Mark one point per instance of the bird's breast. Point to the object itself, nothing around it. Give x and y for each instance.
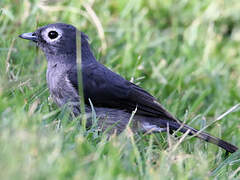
(55, 82)
(60, 87)
(53, 77)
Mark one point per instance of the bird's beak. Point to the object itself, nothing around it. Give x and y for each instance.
(29, 36)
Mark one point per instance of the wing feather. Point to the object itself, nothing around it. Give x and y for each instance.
(108, 89)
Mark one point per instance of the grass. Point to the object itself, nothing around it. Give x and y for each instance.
(185, 53)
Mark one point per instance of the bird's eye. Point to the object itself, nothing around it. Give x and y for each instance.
(52, 34)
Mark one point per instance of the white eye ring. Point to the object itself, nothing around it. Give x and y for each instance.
(45, 34)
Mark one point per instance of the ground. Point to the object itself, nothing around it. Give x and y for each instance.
(184, 52)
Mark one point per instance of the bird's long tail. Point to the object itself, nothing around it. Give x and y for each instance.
(173, 125)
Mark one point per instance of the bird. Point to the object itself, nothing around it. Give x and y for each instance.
(112, 97)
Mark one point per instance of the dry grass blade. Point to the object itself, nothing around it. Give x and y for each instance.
(97, 23)
(228, 112)
(9, 55)
(180, 140)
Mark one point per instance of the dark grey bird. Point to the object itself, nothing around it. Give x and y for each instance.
(114, 98)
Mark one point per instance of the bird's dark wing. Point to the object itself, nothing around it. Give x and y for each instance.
(108, 89)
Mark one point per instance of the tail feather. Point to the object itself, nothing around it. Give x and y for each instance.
(173, 125)
(211, 139)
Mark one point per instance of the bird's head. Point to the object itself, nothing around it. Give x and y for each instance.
(56, 39)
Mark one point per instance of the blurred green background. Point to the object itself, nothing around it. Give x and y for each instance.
(184, 52)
